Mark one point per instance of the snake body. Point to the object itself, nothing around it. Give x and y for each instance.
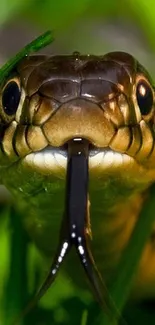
(108, 100)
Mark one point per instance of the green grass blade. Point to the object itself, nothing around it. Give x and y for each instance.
(36, 45)
(84, 317)
(16, 291)
(121, 285)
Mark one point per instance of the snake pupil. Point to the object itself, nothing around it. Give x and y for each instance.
(144, 97)
(11, 98)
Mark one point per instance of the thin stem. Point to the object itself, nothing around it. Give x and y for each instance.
(36, 45)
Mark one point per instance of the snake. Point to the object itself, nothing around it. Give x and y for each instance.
(107, 101)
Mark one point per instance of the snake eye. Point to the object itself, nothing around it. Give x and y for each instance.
(11, 97)
(144, 96)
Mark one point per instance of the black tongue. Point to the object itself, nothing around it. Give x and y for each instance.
(74, 219)
(75, 227)
(77, 188)
(75, 224)
(77, 212)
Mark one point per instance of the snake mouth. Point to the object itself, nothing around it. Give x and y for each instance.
(63, 150)
(93, 152)
(54, 159)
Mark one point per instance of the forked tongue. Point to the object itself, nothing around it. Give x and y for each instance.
(75, 228)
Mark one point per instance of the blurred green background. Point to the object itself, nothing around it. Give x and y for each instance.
(88, 26)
